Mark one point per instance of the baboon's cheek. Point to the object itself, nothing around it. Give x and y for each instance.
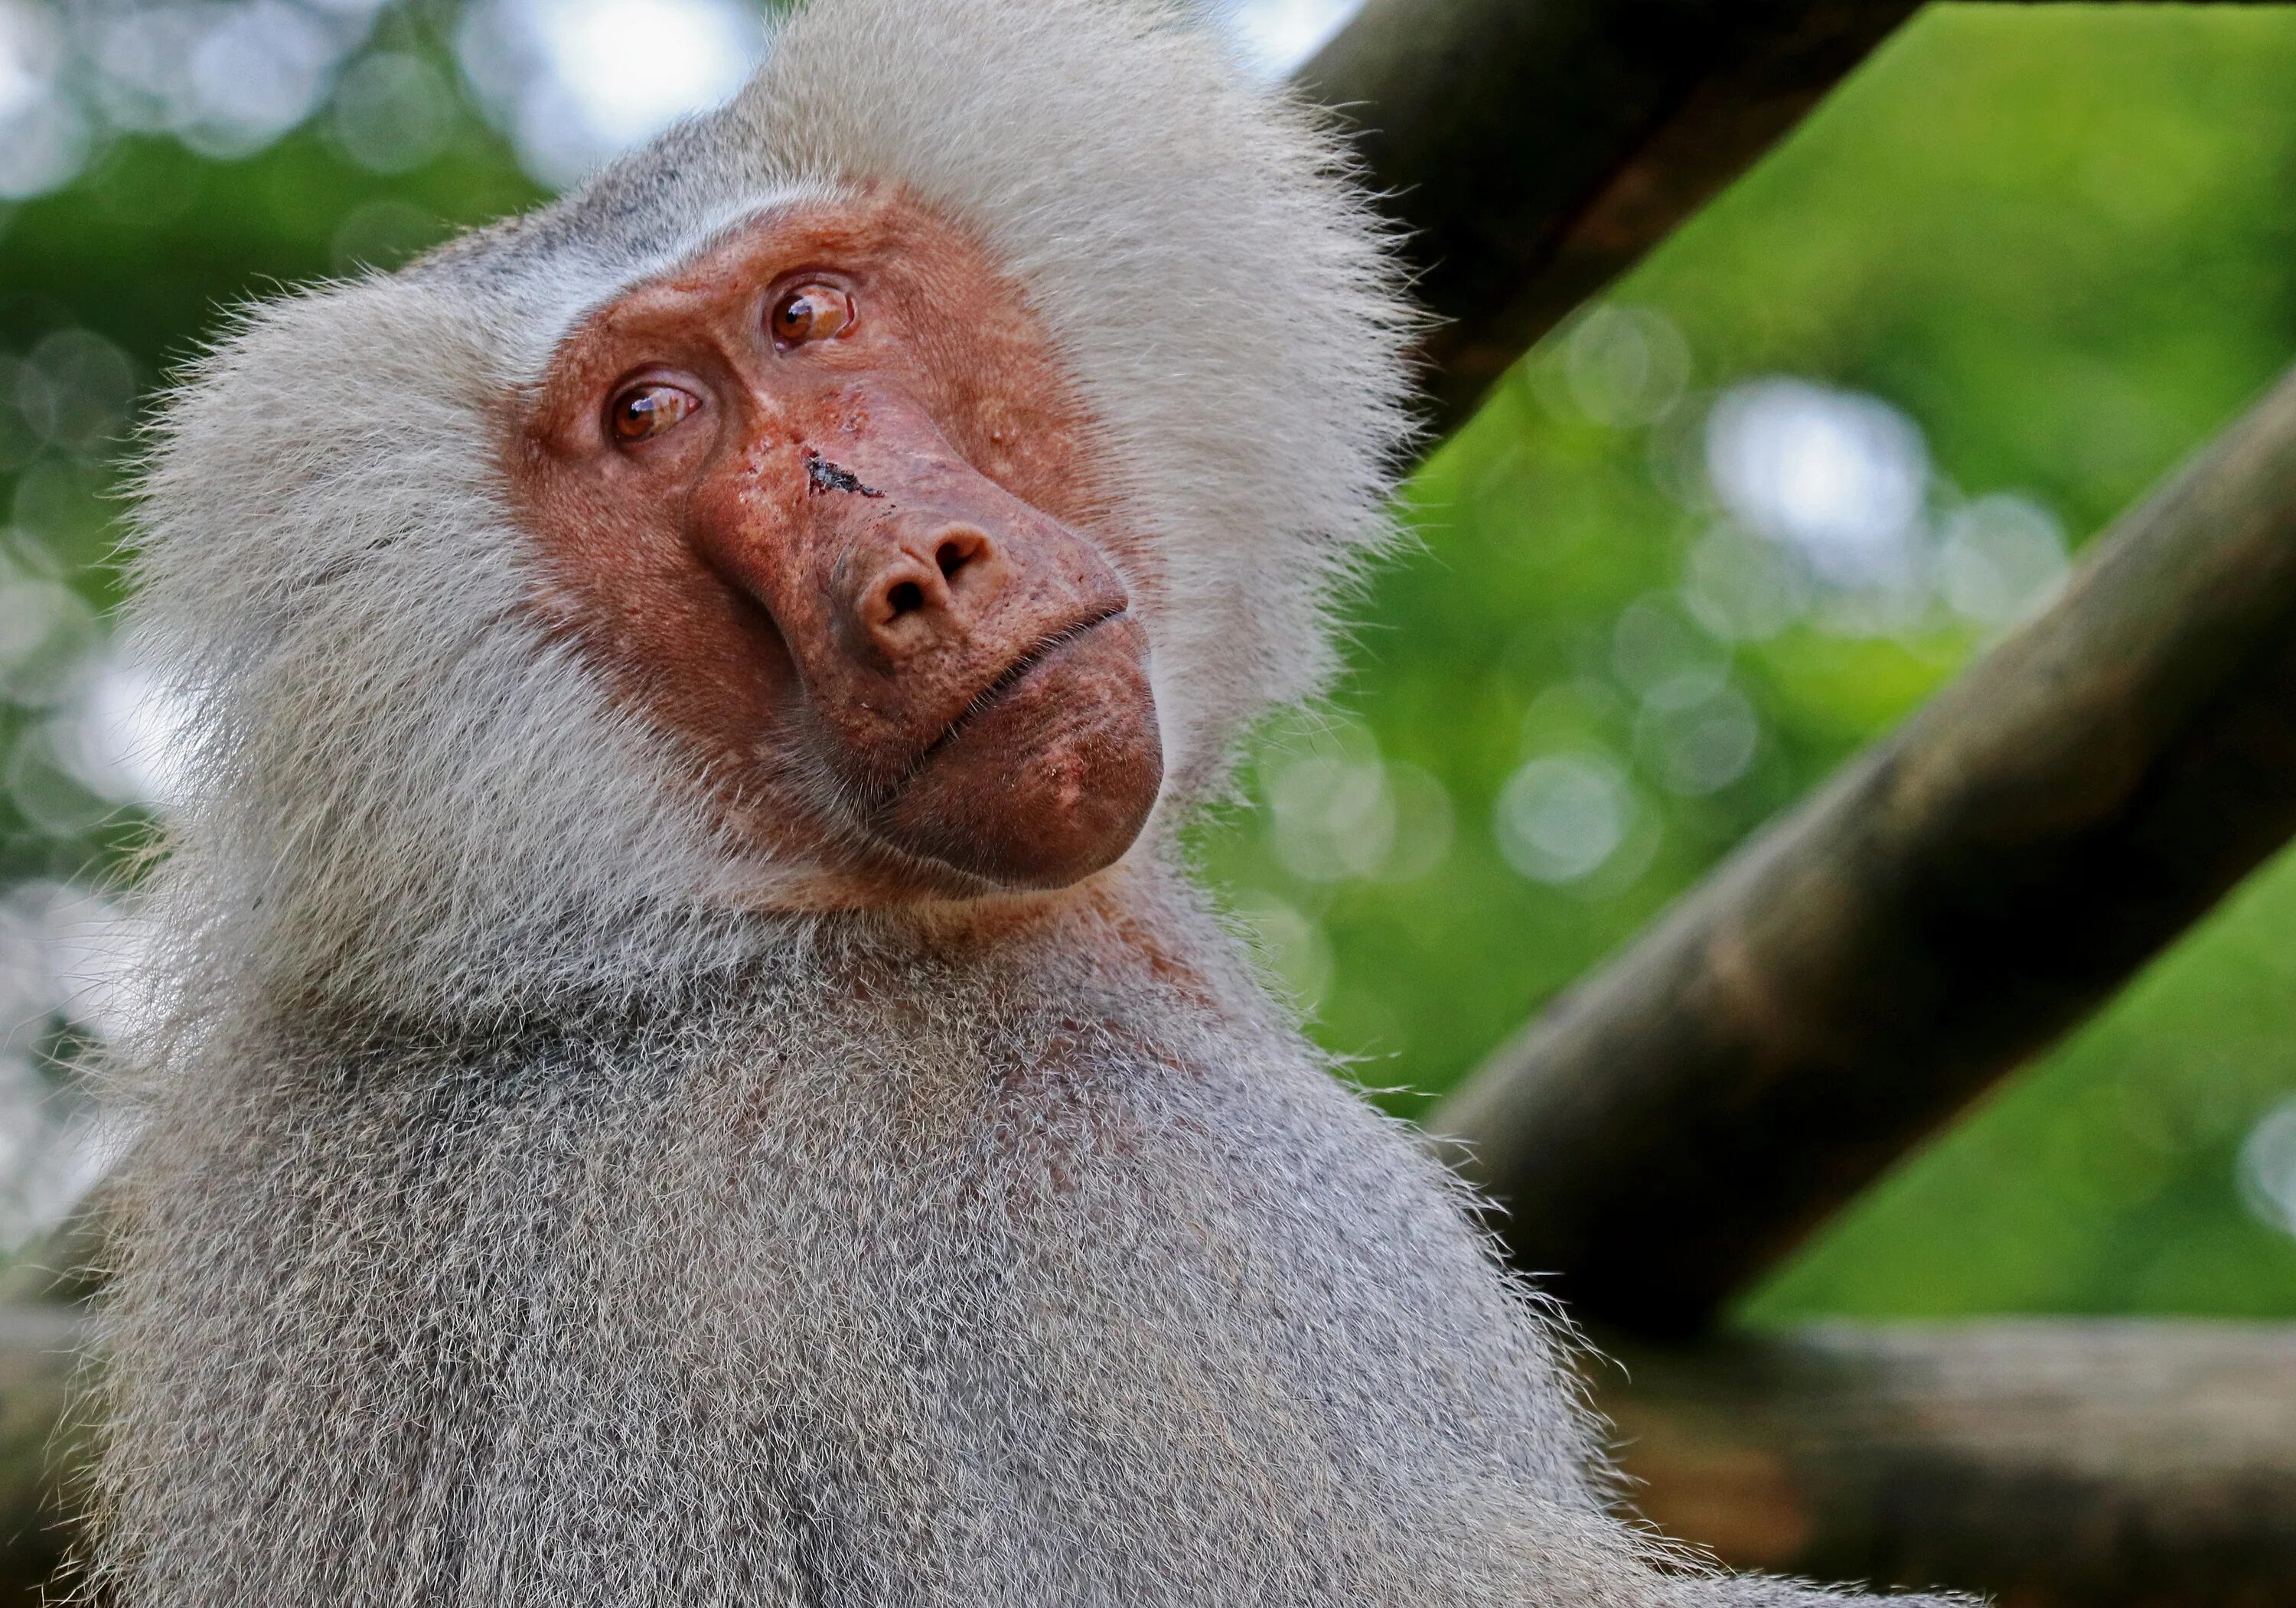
(1051, 778)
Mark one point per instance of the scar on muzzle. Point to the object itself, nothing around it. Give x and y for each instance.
(827, 476)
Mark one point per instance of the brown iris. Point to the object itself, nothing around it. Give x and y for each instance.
(645, 410)
(811, 312)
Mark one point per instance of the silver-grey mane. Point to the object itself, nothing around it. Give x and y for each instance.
(526, 1212)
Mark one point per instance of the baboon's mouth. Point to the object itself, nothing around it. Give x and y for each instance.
(1013, 674)
(1051, 770)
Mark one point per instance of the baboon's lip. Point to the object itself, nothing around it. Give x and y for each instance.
(1010, 678)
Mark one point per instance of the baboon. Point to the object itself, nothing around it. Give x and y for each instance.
(688, 1065)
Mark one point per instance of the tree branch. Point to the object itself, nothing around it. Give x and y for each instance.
(1946, 907)
(1539, 149)
(1536, 149)
(2097, 1463)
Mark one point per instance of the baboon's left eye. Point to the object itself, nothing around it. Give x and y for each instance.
(811, 312)
(643, 411)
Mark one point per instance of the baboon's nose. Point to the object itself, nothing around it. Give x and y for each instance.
(928, 588)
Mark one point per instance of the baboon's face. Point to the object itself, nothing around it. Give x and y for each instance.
(817, 504)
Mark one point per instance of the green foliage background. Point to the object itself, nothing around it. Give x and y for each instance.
(2062, 239)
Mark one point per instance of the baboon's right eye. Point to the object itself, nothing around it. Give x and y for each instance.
(811, 312)
(640, 412)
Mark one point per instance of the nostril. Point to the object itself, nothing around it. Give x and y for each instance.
(949, 594)
(958, 549)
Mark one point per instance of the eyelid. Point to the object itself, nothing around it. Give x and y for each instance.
(798, 279)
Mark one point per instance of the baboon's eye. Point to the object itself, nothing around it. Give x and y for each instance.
(640, 412)
(811, 312)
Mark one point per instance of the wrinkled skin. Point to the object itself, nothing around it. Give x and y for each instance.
(819, 504)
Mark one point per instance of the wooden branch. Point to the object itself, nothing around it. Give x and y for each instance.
(2102, 1463)
(1944, 908)
(1539, 149)
(1536, 149)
